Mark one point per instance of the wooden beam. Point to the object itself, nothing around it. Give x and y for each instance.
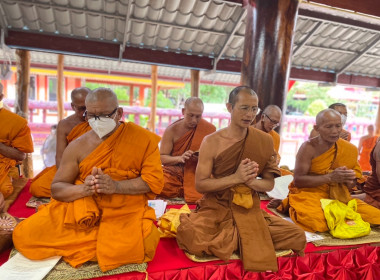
(152, 120)
(60, 81)
(22, 94)
(131, 95)
(194, 83)
(141, 95)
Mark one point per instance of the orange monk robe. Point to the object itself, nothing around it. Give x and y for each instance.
(367, 147)
(180, 179)
(14, 132)
(120, 228)
(41, 184)
(304, 204)
(276, 140)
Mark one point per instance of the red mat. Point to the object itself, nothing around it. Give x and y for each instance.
(171, 263)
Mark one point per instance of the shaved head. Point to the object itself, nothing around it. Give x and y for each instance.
(326, 115)
(234, 94)
(79, 94)
(272, 109)
(104, 95)
(196, 101)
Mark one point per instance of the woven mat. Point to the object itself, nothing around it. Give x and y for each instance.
(234, 256)
(329, 240)
(35, 202)
(63, 271)
(174, 201)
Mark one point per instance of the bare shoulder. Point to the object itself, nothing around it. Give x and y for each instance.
(307, 149)
(66, 125)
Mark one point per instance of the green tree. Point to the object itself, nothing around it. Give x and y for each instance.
(315, 107)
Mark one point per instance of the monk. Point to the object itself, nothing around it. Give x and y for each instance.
(179, 148)
(371, 187)
(326, 167)
(229, 217)
(15, 143)
(342, 110)
(99, 208)
(270, 119)
(366, 144)
(68, 129)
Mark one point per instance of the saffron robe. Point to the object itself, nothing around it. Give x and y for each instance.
(14, 132)
(219, 227)
(114, 229)
(304, 204)
(364, 156)
(372, 184)
(41, 184)
(180, 179)
(276, 140)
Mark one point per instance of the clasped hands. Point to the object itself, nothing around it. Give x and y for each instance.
(98, 182)
(343, 175)
(247, 172)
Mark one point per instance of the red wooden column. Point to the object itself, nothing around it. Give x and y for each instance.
(269, 33)
(141, 95)
(152, 120)
(194, 83)
(21, 104)
(131, 95)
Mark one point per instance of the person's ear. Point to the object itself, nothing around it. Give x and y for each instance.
(229, 107)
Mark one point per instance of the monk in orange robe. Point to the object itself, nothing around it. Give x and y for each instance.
(342, 110)
(68, 129)
(229, 217)
(179, 151)
(326, 167)
(366, 144)
(15, 142)
(371, 187)
(100, 192)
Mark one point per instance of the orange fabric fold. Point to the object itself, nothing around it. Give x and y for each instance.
(14, 132)
(180, 179)
(276, 140)
(125, 232)
(303, 203)
(41, 184)
(367, 147)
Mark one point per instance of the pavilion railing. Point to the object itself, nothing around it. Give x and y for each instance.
(43, 114)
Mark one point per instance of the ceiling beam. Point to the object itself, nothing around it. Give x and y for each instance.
(126, 27)
(230, 37)
(316, 27)
(356, 58)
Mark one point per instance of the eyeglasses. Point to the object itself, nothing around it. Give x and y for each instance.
(246, 109)
(97, 117)
(275, 123)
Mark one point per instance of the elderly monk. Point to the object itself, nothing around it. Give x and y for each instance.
(179, 148)
(15, 142)
(229, 217)
(342, 110)
(100, 192)
(68, 129)
(371, 187)
(326, 167)
(366, 144)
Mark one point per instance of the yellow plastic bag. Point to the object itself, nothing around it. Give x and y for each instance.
(343, 220)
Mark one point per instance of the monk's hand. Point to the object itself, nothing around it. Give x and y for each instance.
(344, 135)
(104, 183)
(342, 175)
(89, 185)
(247, 170)
(185, 156)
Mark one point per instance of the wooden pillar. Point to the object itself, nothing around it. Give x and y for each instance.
(269, 33)
(131, 95)
(194, 83)
(152, 120)
(21, 103)
(141, 95)
(60, 94)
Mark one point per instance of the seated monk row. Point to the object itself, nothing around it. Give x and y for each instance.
(366, 144)
(15, 142)
(68, 129)
(326, 168)
(99, 209)
(371, 187)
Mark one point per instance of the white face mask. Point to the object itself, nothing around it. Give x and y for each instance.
(102, 126)
(344, 119)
